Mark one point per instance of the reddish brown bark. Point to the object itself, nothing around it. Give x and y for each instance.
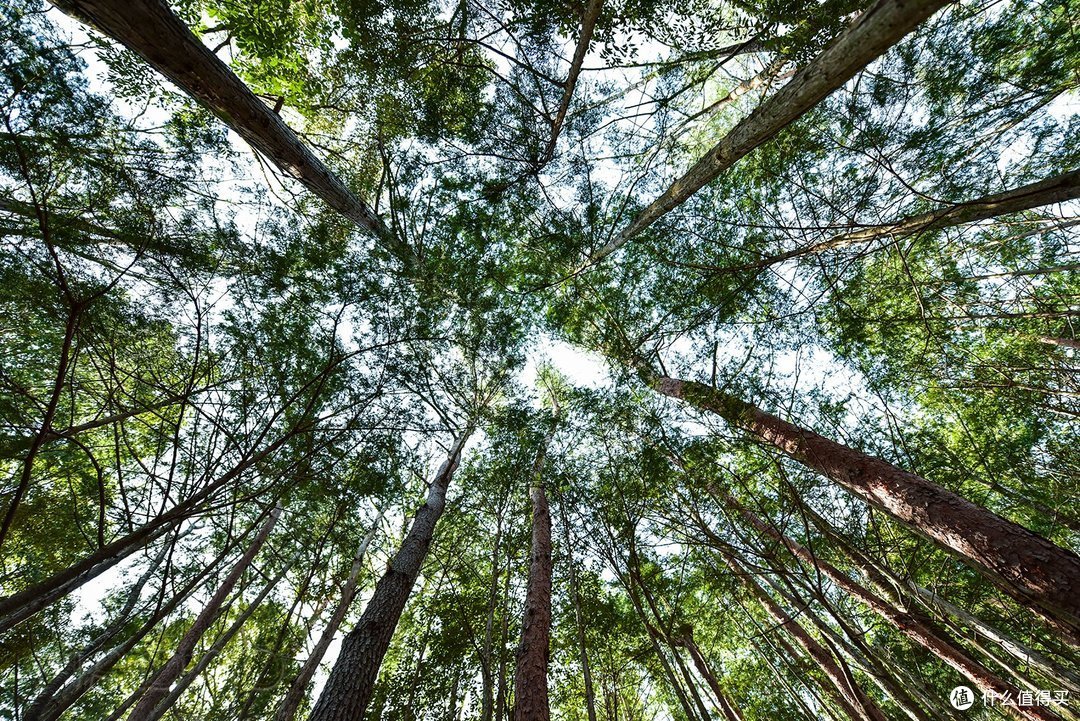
(920, 630)
(530, 676)
(351, 683)
(1020, 561)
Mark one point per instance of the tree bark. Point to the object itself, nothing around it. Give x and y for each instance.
(287, 708)
(19, 606)
(351, 683)
(49, 707)
(1057, 189)
(219, 644)
(530, 673)
(152, 30)
(888, 585)
(1020, 561)
(727, 705)
(181, 657)
(920, 630)
(848, 695)
(1061, 342)
(873, 32)
(575, 597)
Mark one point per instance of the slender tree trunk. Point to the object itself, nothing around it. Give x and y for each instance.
(1057, 189)
(579, 622)
(487, 656)
(20, 606)
(181, 657)
(72, 325)
(351, 683)
(820, 687)
(1022, 652)
(152, 30)
(1058, 341)
(724, 702)
(51, 707)
(1019, 560)
(588, 24)
(873, 32)
(218, 646)
(298, 689)
(920, 630)
(504, 639)
(888, 586)
(851, 698)
(530, 674)
(52, 689)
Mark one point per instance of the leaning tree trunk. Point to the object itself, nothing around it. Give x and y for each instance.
(888, 585)
(351, 683)
(1020, 561)
(219, 644)
(920, 630)
(287, 708)
(54, 700)
(152, 30)
(845, 691)
(164, 678)
(1035, 195)
(727, 705)
(530, 674)
(875, 30)
(22, 605)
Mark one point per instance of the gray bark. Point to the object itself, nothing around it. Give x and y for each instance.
(873, 32)
(153, 31)
(351, 683)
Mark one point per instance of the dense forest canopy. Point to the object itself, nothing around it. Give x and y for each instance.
(501, 360)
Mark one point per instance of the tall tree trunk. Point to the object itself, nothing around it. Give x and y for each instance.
(351, 683)
(20, 606)
(851, 698)
(1020, 561)
(1057, 189)
(724, 702)
(181, 657)
(287, 708)
(530, 673)
(52, 702)
(1058, 341)
(504, 639)
(920, 630)
(487, 654)
(888, 586)
(873, 32)
(152, 30)
(579, 622)
(219, 644)
(588, 24)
